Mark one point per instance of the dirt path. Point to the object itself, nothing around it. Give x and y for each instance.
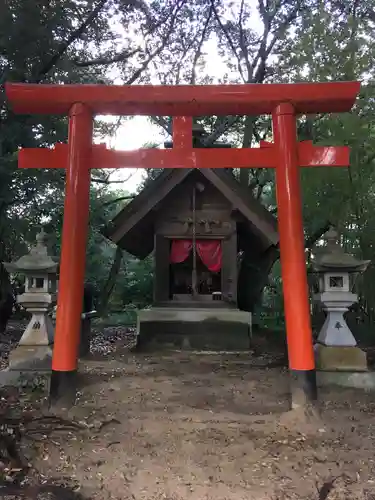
(198, 427)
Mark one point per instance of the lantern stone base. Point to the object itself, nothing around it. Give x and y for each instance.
(339, 358)
(353, 380)
(40, 330)
(31, 358)
(29, 367)
(34, 351)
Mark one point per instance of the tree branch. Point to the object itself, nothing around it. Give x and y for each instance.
(229, 40)
(264, 49)
(220, 130)
(246, 143)
(176, 68)
(243, 46)
(310, 242)
(162, 122)
(107, 181)
(259, 62)
(199, 49)
(46, 68)
(126, 54)
(259, 137)
(104, 61)
(117, 200)
(157, 51)
(159, 120)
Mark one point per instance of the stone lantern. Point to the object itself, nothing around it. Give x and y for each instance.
(336, 348)
(40, 271)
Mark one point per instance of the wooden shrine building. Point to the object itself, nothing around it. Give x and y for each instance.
(199, 223)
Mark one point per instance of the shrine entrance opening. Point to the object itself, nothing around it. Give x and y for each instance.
(195, 270)
(283, 101)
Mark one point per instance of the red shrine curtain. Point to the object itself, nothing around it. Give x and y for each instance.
(180, 250)
(209, 252)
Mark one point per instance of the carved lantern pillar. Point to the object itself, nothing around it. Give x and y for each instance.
(40, 272)
(336, 348)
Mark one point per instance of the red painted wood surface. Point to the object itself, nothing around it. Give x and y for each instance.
(74, 239)
(263, 157)
(182, 100)
(292, 246)
(182, 132)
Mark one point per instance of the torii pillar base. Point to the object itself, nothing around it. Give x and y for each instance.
(63, 389)
(303, 388)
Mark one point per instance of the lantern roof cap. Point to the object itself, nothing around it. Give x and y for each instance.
(37, 260)
(332, 257)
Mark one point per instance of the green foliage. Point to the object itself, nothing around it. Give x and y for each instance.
(127, 317)
(135, 284)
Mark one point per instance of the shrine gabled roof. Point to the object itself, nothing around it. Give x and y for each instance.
(132, 228)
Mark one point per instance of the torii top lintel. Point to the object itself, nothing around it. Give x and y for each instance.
(182, 100)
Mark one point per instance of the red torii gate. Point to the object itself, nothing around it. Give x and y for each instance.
(285, 154)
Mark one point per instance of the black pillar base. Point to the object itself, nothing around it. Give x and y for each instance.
(303, 388)
(63, 389)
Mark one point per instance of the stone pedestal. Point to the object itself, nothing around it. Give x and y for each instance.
(31, 361)
(340, 358)
(35, 347)
(337, 349)
(31, 358)
(335, 331)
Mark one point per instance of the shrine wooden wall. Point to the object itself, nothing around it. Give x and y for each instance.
(214, 219)
(213, 211)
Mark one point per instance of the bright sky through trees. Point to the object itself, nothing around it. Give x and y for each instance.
(138, 131)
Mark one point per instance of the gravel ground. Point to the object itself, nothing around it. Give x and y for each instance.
(104, 341)
(184, 426)
(179, 426)
(9, 340)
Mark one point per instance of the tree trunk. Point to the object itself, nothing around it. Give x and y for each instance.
(246, 143)
(253, 277)
(108, 288)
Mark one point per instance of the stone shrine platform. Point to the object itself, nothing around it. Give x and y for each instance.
(193, 328)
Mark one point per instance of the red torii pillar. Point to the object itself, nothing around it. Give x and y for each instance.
(283, 101)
